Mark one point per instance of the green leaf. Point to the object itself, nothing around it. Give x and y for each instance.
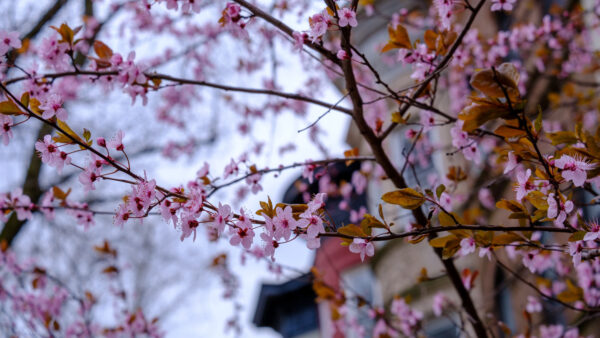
(439, 190)
(513, 206)
(10, 108)
(440, 242)
(506, 238)
(87, 134)
(407, 198)
(538, 121)
(573, 293)
(352, 230)
(577, 236)
(538, 200)
(445, 219)
(25, 99)
(491, 83)
(562, 137)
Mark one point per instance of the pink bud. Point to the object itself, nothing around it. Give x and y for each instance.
(342, 55)
(101, 141)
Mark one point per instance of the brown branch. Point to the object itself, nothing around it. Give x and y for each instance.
(294, 165)
(182, 81)
(435, 230)
(287, 30)
(376, 146)
(531, 285)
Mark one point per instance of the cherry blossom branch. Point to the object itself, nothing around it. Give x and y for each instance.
(445, 61)
(183, 81)
(375, 143)
(325, 113)
(531, 285)
(69, 136)
(287, 30)
(35, 207)
(290, 166)
(435, 230)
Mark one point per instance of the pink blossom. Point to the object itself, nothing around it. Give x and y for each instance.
(536, 261)
(196, 198)
(347, 18)
(253, 181)
(100, 141)
(171, 4)
(503, 5)
(188, 226)
(122, 215)
(61, 160)
(594, 232)
(54, 53)
(409, 319)
(6, 123)
(46, 205)
(363, 247)
(191, 6)
(314, 226)
(357, 216)
(524, 184)
(471, 153)
(284, 223)
(204, 171)
(141, 197)
(242, 233)
(342, 55)
(572, 333)
(221, 218)
(558, 212)
(233, 10)
(467, 245)
(168, 211)
(308, 172)
(533, 305)
(381, 329)
(575, 250)
(551, 331)
(52, 106)
(486, 199)
(315, 204)
(117, 141)
(444, 12)
(318, 25)
(269, 244)
(88, 177)
(359, 181)
(439, 302)
(427, 120)
(21, 203)
(9, 40)
(446, 201)
(573, 169)
(460, 138)
(299, 38)
(48, 149)
(511, 163)
(130, 73)
(231, 169)
(83, 217)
